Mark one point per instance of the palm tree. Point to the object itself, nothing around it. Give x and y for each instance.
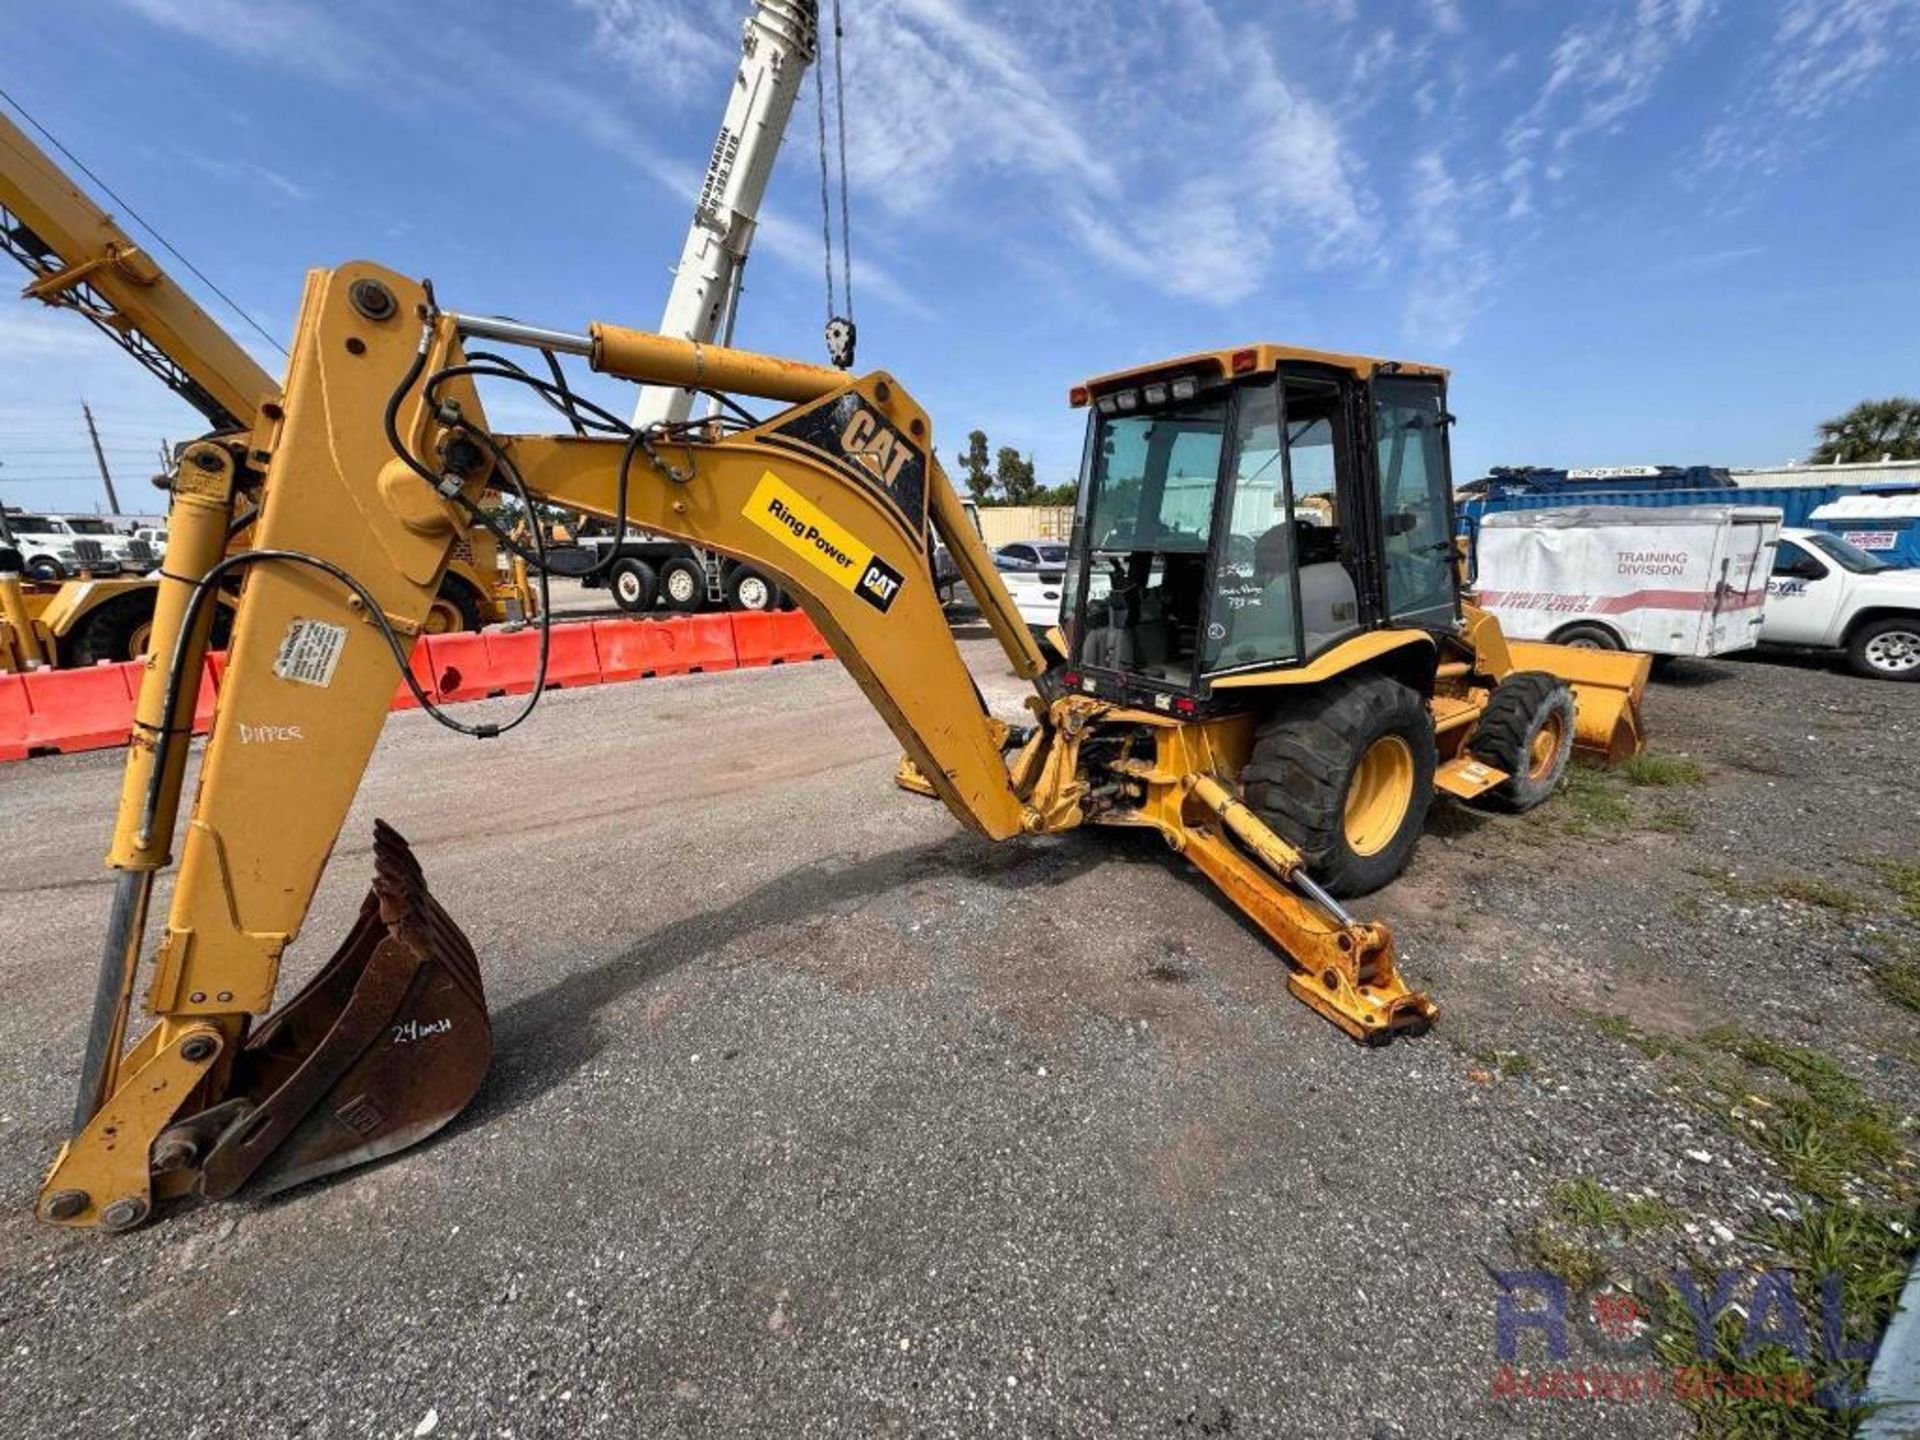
(1871, 430)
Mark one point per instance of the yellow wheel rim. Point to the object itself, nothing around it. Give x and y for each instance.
(442, 619)
(1545, 749)
(137, 642)
(1379, 795)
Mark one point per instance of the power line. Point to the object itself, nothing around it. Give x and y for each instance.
(232, 304)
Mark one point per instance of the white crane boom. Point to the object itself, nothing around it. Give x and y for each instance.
(776, 48)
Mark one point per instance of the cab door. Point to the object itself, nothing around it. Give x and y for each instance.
(1804, 598)
(1413, 490)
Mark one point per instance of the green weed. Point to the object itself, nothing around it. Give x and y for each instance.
(1589, 1203)
(1662, 770)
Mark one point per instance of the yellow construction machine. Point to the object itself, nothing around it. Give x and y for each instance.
(1279, 699)
(78, 258)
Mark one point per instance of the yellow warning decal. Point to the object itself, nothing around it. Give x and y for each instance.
(816, 537)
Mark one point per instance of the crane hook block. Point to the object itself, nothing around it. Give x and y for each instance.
(840, 340)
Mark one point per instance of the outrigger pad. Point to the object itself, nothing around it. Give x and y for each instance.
(379, 1050)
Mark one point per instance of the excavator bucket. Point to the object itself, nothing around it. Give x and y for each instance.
(1608, 686)
(380, 1049)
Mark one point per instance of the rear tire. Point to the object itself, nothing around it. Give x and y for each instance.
(455, 609)
(116, 631)
(748, 589)
(1886, 649)
(1527, 731)
(634, 585)
(1344, 774)
(119, 630)
(683, 586)
(1588, 637)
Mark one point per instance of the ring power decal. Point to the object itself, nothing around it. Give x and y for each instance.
(807, 530)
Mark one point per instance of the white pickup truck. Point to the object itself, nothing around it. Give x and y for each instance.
(1828, 594)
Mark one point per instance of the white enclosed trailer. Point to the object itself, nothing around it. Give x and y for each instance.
(1665, 580)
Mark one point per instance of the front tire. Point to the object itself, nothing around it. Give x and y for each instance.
(634, 585)
(1887, 649)
(1527, 731)
(1344, 774)
(46, 571)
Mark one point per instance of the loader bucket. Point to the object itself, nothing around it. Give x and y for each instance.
(380, 1049)
(1608, 686)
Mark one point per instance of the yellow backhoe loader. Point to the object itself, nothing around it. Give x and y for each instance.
(1279, 699)
(78, 258)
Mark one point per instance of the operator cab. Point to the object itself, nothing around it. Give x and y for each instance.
(1246, 510)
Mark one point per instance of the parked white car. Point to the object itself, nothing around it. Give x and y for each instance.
(1827, 594)
(1035, 573)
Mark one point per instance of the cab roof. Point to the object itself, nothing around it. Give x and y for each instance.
(1259, 358)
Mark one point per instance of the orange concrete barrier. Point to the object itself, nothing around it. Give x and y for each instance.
(777, 637)
(459, 666)
(637, 649)
(709, 642)
(14, 715)
(513, 658)
(53, 711)
(72, 710)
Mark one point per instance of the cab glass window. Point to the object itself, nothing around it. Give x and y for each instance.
(1252, 617)
(1149, 513)
(1791, 562)
(1409, 419)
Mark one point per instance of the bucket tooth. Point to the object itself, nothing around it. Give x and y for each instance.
(384, 1045)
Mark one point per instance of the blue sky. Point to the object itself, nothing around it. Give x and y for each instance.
(1638, 230)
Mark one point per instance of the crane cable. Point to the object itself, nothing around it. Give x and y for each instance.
(841, 332)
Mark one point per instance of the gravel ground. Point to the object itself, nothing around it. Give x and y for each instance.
(812, 1115)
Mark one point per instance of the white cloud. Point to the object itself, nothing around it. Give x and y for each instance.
(303, 36)
(1827, 50)
(936, 95)
(1446, 16)
(664, 44)
(1599, 73)
(1824, 54)
(1258, 170)
(1171, 145)
(38, 332)
(259, 176)
(1450, 271)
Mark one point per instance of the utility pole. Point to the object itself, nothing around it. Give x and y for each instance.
(113, 500)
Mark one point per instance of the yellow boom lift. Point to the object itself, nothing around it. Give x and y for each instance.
(1279, 699)
(78, 258)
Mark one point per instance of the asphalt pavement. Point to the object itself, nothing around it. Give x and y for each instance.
(813, 1115)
